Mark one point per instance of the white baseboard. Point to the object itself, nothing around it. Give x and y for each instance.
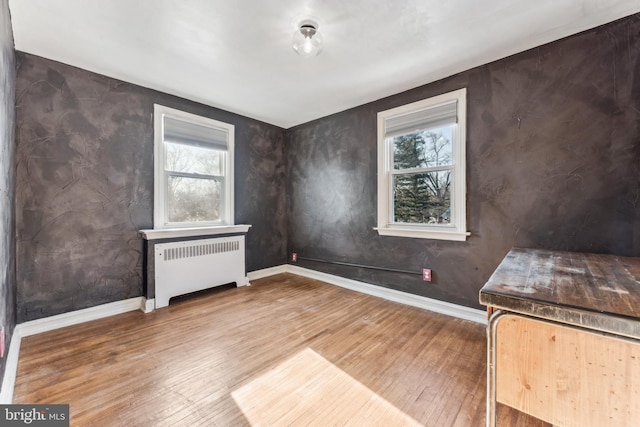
(147, 305)
(11, 368)
(266, 272)
(46, 324)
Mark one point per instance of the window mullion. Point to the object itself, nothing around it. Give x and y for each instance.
(413, 171)
(195, 175)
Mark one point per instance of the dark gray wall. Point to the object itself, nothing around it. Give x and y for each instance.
(7, 181)
(84, 186)
(553, 161)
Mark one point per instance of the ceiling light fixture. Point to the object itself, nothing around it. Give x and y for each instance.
(307, 41)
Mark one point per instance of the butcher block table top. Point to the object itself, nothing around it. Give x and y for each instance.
(596, 291)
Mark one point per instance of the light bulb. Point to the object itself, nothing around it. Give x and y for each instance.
(307, 41)
(307, 47)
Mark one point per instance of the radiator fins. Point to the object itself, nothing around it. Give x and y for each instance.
(197, 250)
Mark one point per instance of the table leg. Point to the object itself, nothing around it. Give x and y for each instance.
(491, 367)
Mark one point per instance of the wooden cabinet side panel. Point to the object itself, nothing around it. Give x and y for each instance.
(567, 376)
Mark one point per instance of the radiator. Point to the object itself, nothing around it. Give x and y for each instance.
(183, 267)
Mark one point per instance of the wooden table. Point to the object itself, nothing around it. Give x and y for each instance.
(564, 337)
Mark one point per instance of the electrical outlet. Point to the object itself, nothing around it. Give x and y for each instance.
(294, 257)
(426, 274)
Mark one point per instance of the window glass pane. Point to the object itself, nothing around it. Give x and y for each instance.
(427, 148)
(422, 198)
(193, 200)
(192, 159)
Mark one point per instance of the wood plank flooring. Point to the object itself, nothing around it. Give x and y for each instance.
(285, 351)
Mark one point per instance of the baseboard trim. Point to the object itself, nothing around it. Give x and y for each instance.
(147, 305)
(46, 324)
(11, 368)
(266, 272)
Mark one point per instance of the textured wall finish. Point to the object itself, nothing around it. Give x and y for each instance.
(7, 182)
(553, 161)
(85, 186)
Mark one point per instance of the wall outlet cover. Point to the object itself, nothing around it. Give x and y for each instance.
(426, 274)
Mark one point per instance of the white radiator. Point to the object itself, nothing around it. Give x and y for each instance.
(183, 267)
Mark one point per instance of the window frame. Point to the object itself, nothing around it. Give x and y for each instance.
(458, 230)
(161, 176)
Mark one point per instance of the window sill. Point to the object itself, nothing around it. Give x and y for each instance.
(419, 233)
(171, 233)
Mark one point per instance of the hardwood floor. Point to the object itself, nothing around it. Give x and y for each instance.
(285, 351)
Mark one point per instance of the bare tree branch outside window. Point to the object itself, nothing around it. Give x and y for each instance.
(198, 196)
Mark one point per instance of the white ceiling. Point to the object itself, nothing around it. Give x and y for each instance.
(237, 55)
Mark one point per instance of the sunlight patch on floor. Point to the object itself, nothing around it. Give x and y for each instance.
(308, 390)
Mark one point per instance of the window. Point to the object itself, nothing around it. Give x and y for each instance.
(421, 169)
(193, 161)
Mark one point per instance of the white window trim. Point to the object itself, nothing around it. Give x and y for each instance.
(456, 232)
(159, 182)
